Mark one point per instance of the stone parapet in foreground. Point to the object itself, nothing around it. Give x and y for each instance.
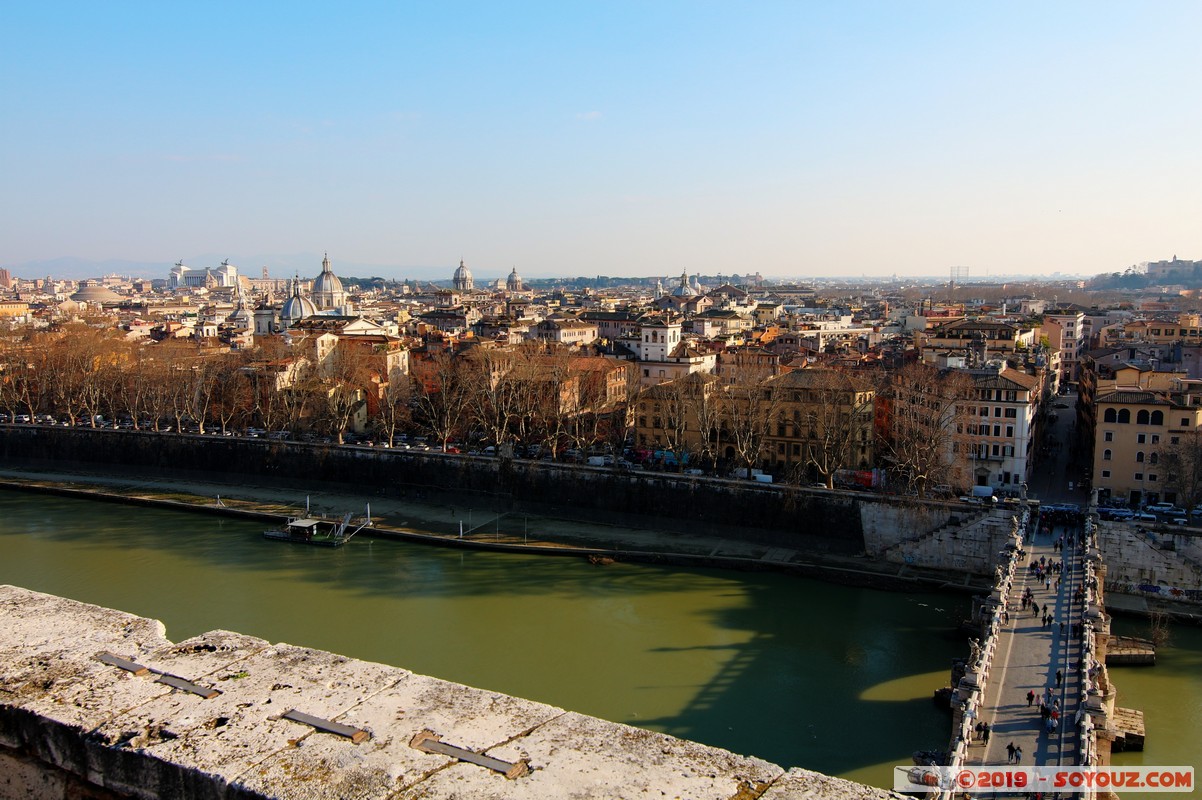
(73, 726)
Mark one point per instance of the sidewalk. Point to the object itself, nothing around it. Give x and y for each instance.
(1031, 655)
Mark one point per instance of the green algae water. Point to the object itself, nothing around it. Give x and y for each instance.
(1169, 694)
(802, 673)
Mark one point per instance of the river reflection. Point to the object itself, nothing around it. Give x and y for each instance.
(801, 673)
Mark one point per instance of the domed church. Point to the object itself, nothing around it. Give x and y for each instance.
(327, 293)
(462, 279)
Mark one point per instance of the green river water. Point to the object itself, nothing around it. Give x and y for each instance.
(799, 672)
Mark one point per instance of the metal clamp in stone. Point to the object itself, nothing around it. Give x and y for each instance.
(123, 663)
(356, 735)
(430, 742)
(207, 692)
(173, 681)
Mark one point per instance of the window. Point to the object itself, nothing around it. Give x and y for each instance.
(1105, 473)
(997, 411)
(1124, 416)
(1185, 422)
(1174, 440)
(1010, 431)
(1109, 416)
(1141, 439)
(1157, 417)
(1108, 436)
(1139, 457)
(1156, 438)
(997, 430)
(1012, 413)
(1139, 476)
(1154, 458)
(984, 411)
(1105, 455)
(1152, 477)
(1141, 417)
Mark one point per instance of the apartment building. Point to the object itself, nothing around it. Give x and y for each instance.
(1133, 426)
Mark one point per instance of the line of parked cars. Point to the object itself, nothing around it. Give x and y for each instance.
(1156, 512)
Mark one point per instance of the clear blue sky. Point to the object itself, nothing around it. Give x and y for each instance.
(573, 138)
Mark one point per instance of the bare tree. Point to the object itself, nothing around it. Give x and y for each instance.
(552, 396)
(1182, 465)
(492, 382)
(344, 375)
(232, 400)
(671, 404)
(440, 397)
(836, 419)
(751, 408)
(624, 411)
(396, 397)
(926, 410)
(708, 407)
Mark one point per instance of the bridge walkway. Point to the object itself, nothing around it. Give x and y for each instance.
(1030, 655)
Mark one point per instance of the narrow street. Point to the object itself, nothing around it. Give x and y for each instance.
(1051, 476)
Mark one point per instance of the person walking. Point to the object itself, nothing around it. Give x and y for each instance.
(1030, 697)
(1059, 677)
(985, 734)
(1010, 748)
(1018, 755)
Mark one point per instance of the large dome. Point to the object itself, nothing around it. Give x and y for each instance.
(684, 290)
(463, 278)
(96, 293)
(296, 308)
(327, 289)
(514, 282)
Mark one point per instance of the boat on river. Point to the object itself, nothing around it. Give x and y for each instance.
(320, 532)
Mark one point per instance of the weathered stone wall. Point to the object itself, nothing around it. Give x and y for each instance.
(1140, 557)
(886, 525)
(815, 520)
(966, 544)
(73, 726)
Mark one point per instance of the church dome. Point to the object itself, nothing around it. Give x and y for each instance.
(327, 288)
(463, 278)
(297, 308)
(514, 282)
(684, 290)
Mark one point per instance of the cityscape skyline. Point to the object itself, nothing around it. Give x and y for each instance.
(793, 140)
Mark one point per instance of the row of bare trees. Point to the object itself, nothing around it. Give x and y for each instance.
(532, 394)
(81, 374)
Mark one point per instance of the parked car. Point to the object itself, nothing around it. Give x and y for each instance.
(1166, 508)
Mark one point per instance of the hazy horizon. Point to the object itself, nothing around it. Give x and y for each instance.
(624, 139)
(309, 266)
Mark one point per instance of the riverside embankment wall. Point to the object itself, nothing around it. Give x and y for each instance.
(817, 521)
(73, 725)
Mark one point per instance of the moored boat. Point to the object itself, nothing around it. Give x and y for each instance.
(311, 530)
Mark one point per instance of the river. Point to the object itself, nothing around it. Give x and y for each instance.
(799, 672)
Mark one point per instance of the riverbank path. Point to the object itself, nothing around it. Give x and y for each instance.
(1029, 656)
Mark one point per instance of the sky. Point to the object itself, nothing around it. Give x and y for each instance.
(611, 138)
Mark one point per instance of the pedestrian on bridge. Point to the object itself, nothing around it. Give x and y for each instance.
(1010, 748)
(1059, 677)
(1030, 697)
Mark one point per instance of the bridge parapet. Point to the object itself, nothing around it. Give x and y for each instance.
(968, 696)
